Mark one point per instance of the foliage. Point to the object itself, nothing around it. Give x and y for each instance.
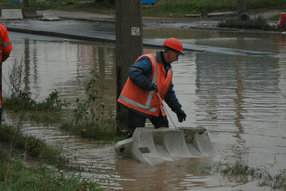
(40, 178)
(101, 6)
(22, 101)
(16, 77)
(257, 23)
(269, 4)
(89, 118)
(182, 7)
(161, 7)
(32, 146)
(92, 109)
(241, 170)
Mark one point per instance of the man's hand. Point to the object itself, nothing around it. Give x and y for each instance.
(153, 86)
(181, 115)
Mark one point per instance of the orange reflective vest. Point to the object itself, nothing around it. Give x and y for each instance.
(5, 44)
(147, 101)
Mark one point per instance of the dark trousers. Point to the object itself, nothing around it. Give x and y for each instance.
(137, 119)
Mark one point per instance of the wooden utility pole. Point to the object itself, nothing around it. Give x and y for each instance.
(240, 6)
(26, 3)
(241, 11)
(129, 39)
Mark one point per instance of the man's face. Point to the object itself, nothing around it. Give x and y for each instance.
(172, 56)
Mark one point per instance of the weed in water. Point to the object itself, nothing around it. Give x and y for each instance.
(89, 118)
(243, 171)
(20, 100)
(16, 77)
(201, 170)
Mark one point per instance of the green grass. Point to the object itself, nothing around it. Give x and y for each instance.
(182, 7)
(162, 7)
(32, 146)
(105, 130)
(15, 176)
(22, 101)
(76, 5)
(257, 23)
(78, 120)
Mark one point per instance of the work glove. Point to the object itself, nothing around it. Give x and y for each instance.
(181, 115)
(153, 86)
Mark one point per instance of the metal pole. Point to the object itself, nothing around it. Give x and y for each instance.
(164, 108)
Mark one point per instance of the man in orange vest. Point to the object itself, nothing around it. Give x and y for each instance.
(148, 78)
(5, 49)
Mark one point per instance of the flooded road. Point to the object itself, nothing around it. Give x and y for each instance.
(238, 97)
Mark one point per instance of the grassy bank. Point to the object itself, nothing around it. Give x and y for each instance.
(51, 110)
(14, 175)
(81, 118)
(85, 117)
(16, 150)
(182, 7)
(31, 146)
(161, 8)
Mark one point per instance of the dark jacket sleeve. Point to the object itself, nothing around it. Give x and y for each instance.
(171, 99)
(140, 73)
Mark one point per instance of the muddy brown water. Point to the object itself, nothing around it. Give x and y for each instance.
(239, 97)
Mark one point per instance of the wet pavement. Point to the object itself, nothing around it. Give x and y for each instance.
(99, 27)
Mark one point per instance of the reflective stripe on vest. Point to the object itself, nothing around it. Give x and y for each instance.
(146, 107)
(6, 44)
(3, 45)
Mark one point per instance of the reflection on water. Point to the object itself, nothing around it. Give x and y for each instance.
(64, 66)
(240, 99)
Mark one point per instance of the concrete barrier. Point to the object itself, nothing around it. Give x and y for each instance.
(153, 146)
(29, 13)
(7, 14)
(222, 14)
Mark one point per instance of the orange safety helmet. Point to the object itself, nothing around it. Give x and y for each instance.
(174, 44)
